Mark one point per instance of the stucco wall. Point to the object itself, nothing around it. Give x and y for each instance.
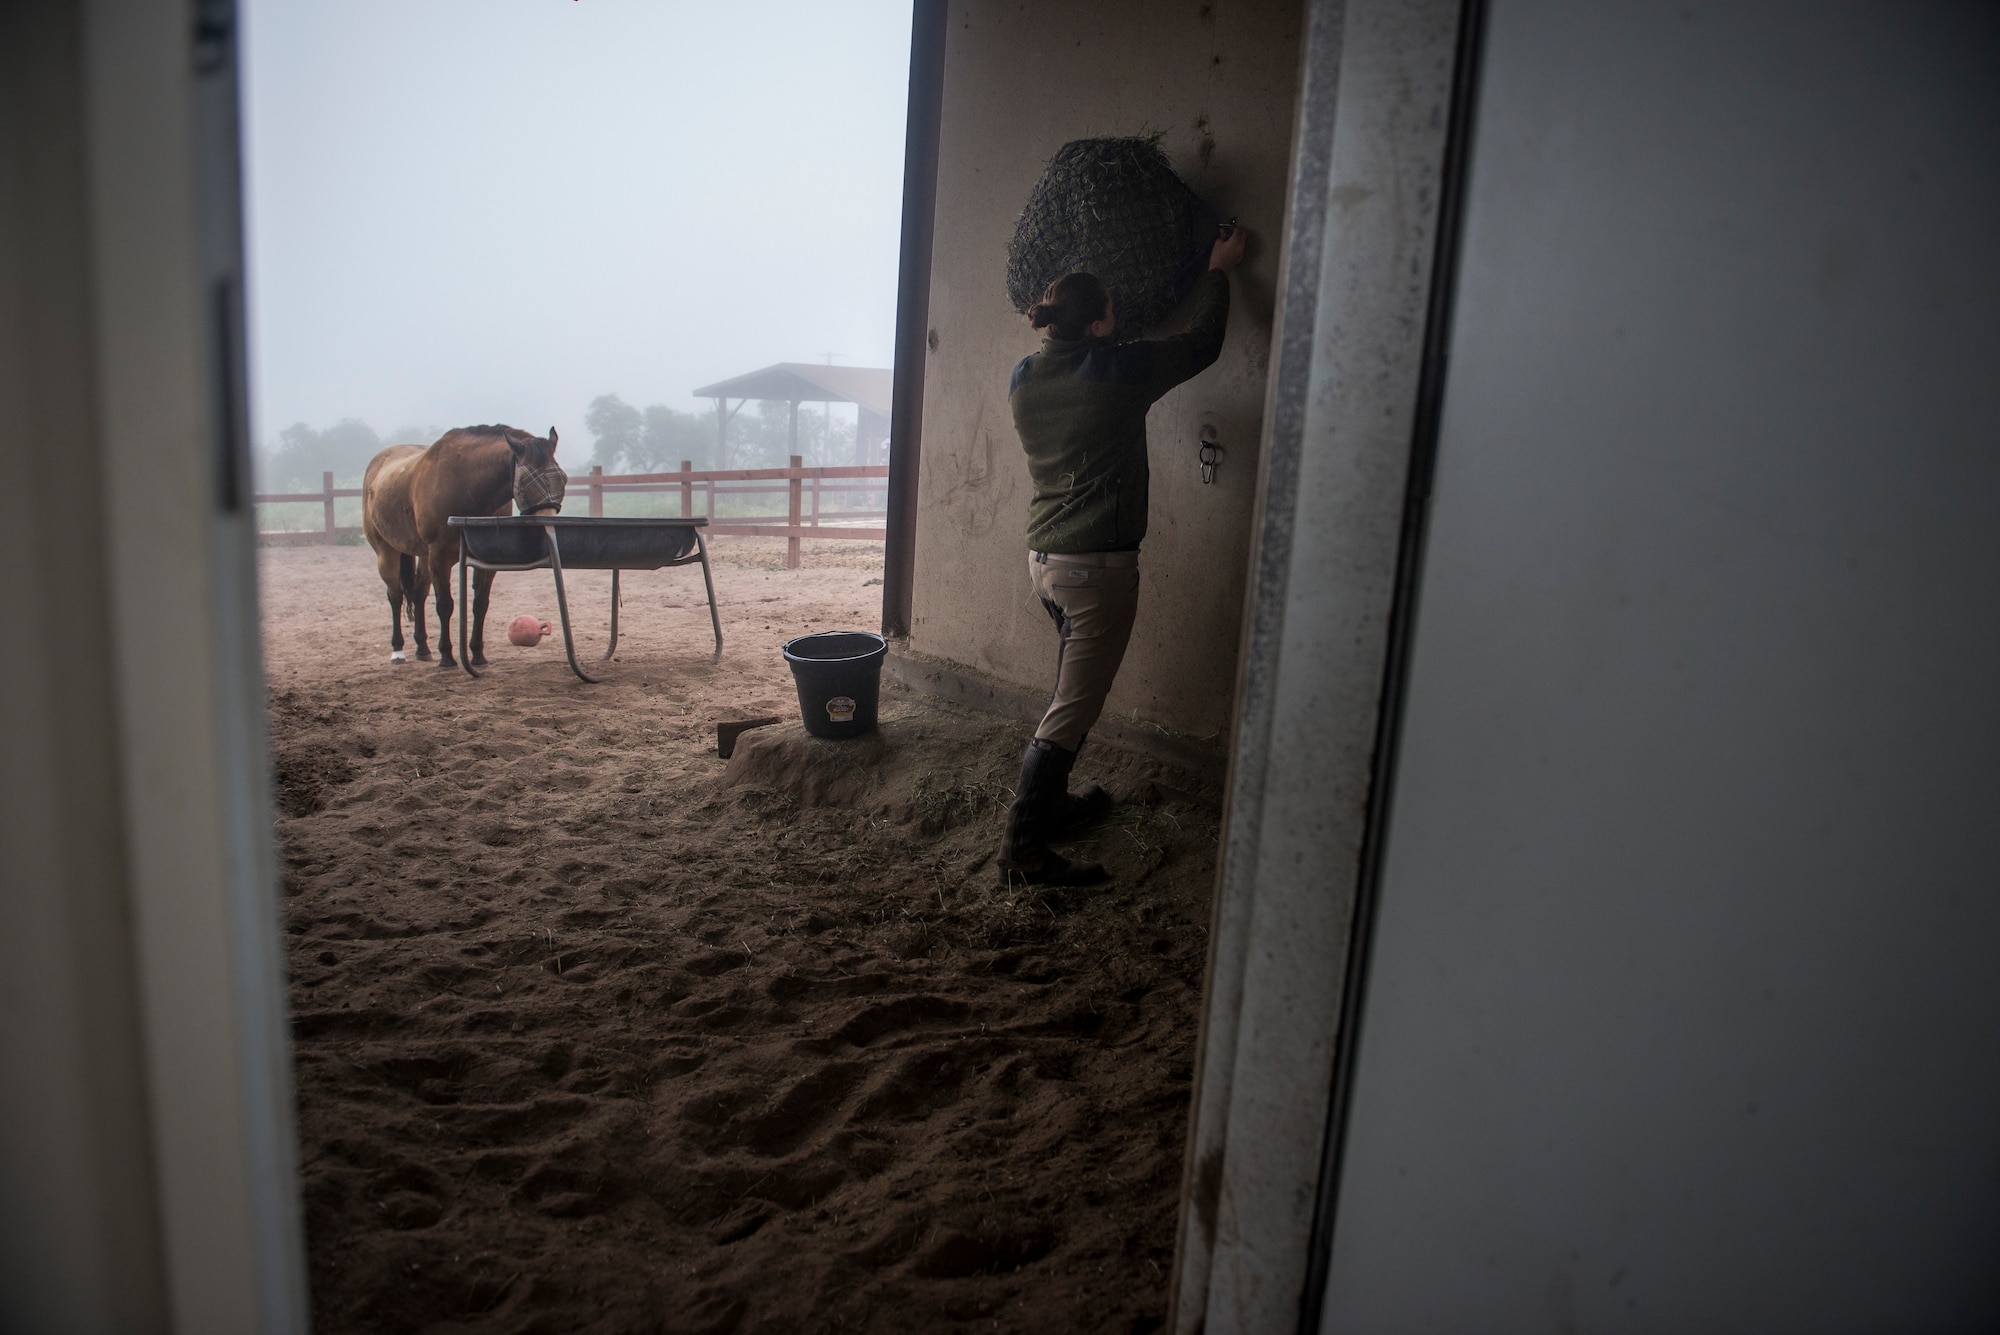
(1021, 79)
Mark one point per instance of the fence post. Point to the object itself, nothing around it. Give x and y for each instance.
(687, 490)
(597, 491)
(326, 489)
(792, 514)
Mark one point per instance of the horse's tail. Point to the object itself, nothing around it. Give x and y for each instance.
(406, 570)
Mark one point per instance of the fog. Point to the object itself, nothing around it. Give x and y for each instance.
(497, 210)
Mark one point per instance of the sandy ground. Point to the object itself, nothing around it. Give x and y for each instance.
(597, 1032)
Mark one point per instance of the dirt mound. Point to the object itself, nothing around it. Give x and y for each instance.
(939, 768)
(920, 766)
(306, 773)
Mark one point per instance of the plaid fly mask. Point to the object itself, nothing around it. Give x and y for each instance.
(539, 488)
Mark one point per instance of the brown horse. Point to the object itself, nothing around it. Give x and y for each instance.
(410, 491)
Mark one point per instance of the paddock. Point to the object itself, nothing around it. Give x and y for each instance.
(597, 1031)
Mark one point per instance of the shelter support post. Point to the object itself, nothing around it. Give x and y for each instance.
(792, 489)
(687, 489)
(913, 303)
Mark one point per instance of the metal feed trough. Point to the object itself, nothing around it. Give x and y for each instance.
(523, 542)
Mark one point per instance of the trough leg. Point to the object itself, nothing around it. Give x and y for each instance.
(714, 617)
(562, 604)
(614, 617)
(464, 654)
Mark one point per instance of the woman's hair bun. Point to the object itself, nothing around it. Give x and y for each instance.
(1072, 304)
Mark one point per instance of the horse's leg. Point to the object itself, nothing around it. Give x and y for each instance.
(414, 587)
(440, 561)
(482, 588)
(385, 566)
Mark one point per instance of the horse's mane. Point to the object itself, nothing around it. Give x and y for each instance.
(496, 430)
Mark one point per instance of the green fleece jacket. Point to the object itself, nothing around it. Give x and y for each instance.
(1080, 407)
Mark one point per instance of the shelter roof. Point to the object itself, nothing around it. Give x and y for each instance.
(809, 383)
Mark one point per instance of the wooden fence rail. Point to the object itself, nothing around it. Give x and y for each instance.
(802, 487)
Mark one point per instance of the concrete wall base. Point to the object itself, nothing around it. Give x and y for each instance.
(965, 686)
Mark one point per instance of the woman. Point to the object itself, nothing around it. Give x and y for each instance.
(1080, 408)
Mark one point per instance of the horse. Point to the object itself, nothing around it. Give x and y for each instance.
(408, 493)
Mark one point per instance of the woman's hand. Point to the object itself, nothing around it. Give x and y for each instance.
(1227, 252)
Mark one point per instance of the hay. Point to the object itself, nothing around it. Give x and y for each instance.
(1115, 208)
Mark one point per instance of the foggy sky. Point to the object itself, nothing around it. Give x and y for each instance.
(495, 210)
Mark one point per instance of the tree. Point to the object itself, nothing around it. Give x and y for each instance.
(832, 437)
(761, 439)
(615, 425)
(670, 436)
(657, 439)
(303, 454)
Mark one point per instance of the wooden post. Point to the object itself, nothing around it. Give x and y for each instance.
(793, 487)
(815, 522)
(687, 490)
(597, 491)
(326, 488)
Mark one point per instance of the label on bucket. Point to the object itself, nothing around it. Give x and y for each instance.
(841, 709)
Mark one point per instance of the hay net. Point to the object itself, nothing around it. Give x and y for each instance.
(1114, 208)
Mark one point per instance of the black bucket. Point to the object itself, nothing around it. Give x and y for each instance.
(839, 674)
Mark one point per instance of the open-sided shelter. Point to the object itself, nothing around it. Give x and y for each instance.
(867, 387)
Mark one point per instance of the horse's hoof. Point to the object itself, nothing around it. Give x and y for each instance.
(479, 660)
(396, 655)
(423, 654)
(447, 664)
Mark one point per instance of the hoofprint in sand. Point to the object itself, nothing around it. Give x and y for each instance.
(595, 1031)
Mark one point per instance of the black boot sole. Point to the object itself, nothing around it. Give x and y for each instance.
(1067, 873)
(1091, 804)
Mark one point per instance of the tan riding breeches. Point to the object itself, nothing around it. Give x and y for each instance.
(1092, 598)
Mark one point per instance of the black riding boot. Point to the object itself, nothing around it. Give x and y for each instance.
(1041, 799)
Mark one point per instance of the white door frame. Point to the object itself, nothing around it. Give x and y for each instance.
(1354, 389)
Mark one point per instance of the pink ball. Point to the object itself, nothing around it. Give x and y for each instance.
(527, 631)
